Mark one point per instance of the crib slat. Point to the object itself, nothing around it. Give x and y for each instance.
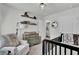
(59, 50)
(48, 48)
(52, 49)
(55, 49)
(43, 48)
(70, 51)
(78, 53)
(65, 51)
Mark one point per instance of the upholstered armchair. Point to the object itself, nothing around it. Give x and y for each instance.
(11, 43)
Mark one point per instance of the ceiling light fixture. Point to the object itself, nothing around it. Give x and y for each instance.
(42, 5)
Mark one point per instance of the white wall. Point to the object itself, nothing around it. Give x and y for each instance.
(11, 19)
(42, 28)
(68, 21)
(3, 12)
(0, 16)
(0, 19)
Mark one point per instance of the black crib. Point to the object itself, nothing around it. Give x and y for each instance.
(48, 45)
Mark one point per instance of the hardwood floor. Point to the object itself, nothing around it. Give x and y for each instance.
(36, 50)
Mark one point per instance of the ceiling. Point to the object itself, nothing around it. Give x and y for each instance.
(51, 8)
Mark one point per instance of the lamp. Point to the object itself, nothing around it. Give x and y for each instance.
(42, 5)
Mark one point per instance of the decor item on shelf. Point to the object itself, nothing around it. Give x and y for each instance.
(76, 39)
(25, 22)
(28, 22)
(26, 15)
(47, 30)
(68, 38)
(54, 24)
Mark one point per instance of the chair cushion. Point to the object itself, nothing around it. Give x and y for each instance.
(12, 49)
(12, 39)
(2, 52)
(2, 42)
